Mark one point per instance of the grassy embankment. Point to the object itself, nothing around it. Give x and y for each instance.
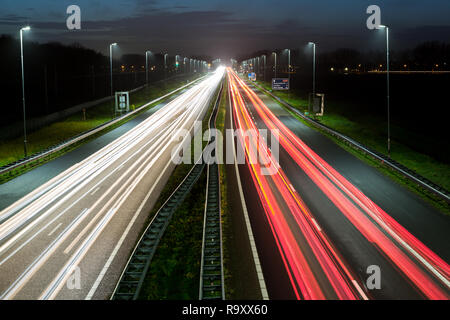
(174, 273)
(12, 150)
(220, 125)
(374, 136)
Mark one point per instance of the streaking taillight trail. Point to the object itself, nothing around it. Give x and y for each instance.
(303, 279)
(363, 213)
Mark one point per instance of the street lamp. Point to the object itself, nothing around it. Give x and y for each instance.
(314, 67)
(111, 71)
(289, 65)
(275, 63)
(146, 65)
(387, 84)
(165, 67)
(264, 69)
(258, 70)
(23, 90)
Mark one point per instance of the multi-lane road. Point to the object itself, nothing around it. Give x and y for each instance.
(70, 237)
(324, 222)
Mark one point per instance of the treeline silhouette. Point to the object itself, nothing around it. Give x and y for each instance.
(432, 55)
(60, 76)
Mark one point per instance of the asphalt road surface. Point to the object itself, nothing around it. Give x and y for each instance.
(70, 237)
(324, 221)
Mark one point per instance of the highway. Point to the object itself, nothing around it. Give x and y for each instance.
(71, 237)
(322, 217)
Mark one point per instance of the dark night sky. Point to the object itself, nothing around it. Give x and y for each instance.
(227, 28)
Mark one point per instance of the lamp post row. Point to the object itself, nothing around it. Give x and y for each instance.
(25, 142)
(203, 65)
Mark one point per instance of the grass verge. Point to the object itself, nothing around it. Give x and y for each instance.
(220, 125)
(175, 269)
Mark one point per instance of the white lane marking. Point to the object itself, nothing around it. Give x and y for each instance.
(122, 239)
(63, 274)
(11, 241)
(256, 261)
(54, 229)
(360, 291)
(96, 189)
(35, 265)
(135, 174)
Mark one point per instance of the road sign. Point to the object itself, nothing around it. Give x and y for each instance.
(122, 101)
(252, 76)
(280, 84)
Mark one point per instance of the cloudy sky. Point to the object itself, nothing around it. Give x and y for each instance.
(226, 28)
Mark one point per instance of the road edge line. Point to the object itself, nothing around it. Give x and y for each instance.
(259, 273)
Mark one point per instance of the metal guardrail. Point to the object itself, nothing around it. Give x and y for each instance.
(130, 283)
(406, 172)
(53, 149)
(212, 285)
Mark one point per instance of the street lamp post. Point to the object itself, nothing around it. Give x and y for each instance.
(23, 91)
(165, 67)
(314, 67)
(275, 69)
(146, 66)
(111, 71)
(258, 70)
(289, 67)
(388, 91)
(264, 68)
(289, 71)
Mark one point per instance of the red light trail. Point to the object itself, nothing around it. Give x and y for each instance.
(404, 250)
